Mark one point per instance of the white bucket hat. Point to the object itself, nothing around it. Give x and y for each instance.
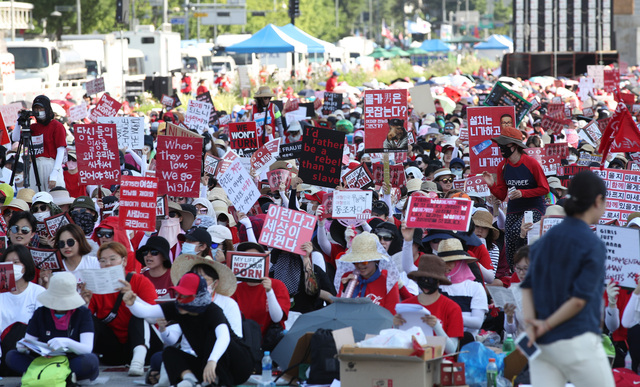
(62, 293)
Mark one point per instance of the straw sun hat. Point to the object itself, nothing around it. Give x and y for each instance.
(451, 250)
(364, 248)
(227, 282)
(485, 219)
(61, 294)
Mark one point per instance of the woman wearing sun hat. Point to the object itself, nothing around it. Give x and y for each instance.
(63, 321)
(483, 222)
(369, 279)
(521, 179)
(274, 117)
(446, 315)
(464, 290)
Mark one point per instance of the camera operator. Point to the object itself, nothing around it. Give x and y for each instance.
(49, 141)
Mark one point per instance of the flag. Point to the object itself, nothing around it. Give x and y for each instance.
(386, 32)
(621, 134)
(4, 134)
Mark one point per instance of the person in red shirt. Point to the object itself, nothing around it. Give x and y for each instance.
(110, 231)
(367, 279)
(72, 178)
(446, 316)
(122, 336)
(185, 87)
(332, 82)
(154, 255)
(202, 88)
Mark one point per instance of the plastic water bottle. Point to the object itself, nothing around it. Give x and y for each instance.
(266, 368)
(627, 361)
(492, 373)
(508, 345)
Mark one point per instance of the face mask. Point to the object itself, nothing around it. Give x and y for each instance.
(41, 216)
(223, 223)
(18, 179)
(457, 172)
(188, 248)
(85, 221)
(428, 285)
(572, 159)
(506, 151)
(17, 271)
(42, 115)
(146, 150)
(207, 147)
(295, 137)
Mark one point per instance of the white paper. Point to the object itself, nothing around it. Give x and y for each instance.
(43, 349)
(502, 296)
(422, 99)
(413, 314)
(103, 281)
(533, 234)
(197, 115)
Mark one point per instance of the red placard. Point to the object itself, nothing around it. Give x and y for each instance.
(553, 123)
(53, 223)
(167, 101)
(138, 202)
(397, 178)
(381, 106)
(484, 124)
(623, 193)
(265, 155)
(97, 151)
(358, 177)
(287, 229)
(278, 176)
(248, 267)
(243, 138)
(441, 214)
(106, 107)
(558, 149)
(179, 165)
(7, 279)
(473, 185)
(611, 80)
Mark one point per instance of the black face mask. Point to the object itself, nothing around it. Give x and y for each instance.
(428, 285)
(506, 151)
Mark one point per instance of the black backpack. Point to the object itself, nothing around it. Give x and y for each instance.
(325, 366)
(252, 337)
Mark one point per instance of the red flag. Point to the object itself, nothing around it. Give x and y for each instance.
(4, 134)
(621, 134)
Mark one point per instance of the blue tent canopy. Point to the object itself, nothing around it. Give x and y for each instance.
(434, 45)
(495, 42)
(313, 45)
(270, 39)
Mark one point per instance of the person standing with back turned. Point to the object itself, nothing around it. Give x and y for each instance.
(562, 308)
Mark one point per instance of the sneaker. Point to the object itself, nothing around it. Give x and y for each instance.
(136, 368)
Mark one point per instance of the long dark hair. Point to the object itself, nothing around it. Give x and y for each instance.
(583, 191)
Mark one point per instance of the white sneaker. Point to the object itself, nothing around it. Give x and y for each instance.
(136, 368)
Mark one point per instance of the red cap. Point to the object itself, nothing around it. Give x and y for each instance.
(188, 285)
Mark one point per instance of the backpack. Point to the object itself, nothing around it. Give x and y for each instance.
(48, 372)
(324, 367)
(252, 337)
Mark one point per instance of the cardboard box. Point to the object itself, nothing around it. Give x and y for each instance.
(430, 352)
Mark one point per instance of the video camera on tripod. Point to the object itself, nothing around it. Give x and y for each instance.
(24, 120)
(26, 146)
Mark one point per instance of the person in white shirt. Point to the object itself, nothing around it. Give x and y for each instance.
(17, 306)
(74, 247)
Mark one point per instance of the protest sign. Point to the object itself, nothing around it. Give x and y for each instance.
(473, 185)
(352, 204)
(106, 107)
(386, 121)
(177, 131)
(287, 229)
(277, 177)
(197, 116)
(292, 150)
(623, 193)
(358, 177)
(95, 86)
(321, 159)
(591, 134)
(248, 267)
(622, 245)
(486, 123)
(78, 112)
(553, 123)
(586, 159)
(292, 105)
(243, 138)
(559, 149)
(397, 178)
(53, 223)
(206, 97)
(10, 112)
(179, 161)
(548, 221)
(501, 95)
(211, 164)
(47, 259)
(327, 205)
(7, 278)
(130, 131)
(332, 102)
(611, 78)
(441, 214)
(97, 153)
(138, 201)
(162, 206)
(239, 186)
(566, 173)
(422, 99)
(549, 163)
(587, 112)
(596, 72)
(265, 156)
(167, 101)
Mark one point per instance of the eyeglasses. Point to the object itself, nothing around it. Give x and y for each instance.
(39, 208)
(24, 229)
(446, 180)
(386, 238)
(522, 269)
(70, 242)
(174, 214)
(152, 252)
(104, 234)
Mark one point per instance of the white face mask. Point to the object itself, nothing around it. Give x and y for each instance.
(18, 271)
(572, 159)
(42, 115)
(41, 216)
(188, 248)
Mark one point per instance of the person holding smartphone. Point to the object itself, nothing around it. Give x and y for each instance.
(562, 293)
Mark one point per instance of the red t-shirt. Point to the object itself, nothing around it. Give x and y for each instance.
(252, 301)
(482, 254)
(331, 84)
(72, 183)
(47, 139)
(102, 304)
(201, 90)
(624, 295)
(161, 284)
(377, 292)
(447, 311)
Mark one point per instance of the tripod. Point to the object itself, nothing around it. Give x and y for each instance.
(25, 142)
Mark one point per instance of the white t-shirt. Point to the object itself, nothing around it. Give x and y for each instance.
(231, 311)
(469, 295)
(19, 307)
(87, 262)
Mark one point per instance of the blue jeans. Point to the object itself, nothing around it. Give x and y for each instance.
(84, 366)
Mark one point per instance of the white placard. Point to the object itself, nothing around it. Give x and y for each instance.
(95, 86)
(622, 245)
(130, 131)
(239, 186)
(103, 281)
(197, 116)
(422, 99)
(78, 112)
(352, 204)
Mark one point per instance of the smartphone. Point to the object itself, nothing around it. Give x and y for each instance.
(522, 342)
(528, 216)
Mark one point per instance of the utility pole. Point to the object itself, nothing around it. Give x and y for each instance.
(294, 11)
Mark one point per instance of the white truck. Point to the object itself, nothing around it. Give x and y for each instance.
(161, 49)
(196, 61)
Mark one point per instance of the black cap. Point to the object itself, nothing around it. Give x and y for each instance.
(223, 137)
(155, 243)
(197, 235)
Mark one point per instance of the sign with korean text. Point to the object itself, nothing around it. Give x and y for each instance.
(47, 259)
(10, 112)
(611, 80)
(277, 177)
(441, 214)
(179, 164)
(321, 159)
(197, 116)
(622, 245)
(287, 229)
(332, 102)
(7, 278)
(292, 150)
(352, 204)
(596, 72)
(265, 156)
(553, 123)
(397, 177)
(106, 107)
(248, 267)
(97, 152)
(623, 193)
(503, 96)
(386, 121)
(95, 86)
(130, 131)
(138, 201)
(486, 123)
(239, 186)
(167, 101)
(358, 177)
(243, 138)
(473, 185)
(78, 112)
(211, 164)
(206, 97)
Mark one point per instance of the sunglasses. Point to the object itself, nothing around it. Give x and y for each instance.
(70, 242)
(8, 212)
(174, 214)
(152, 252)
(104, 234)
(24, 230)
(39, 208)
(386, 238)
(447, 180)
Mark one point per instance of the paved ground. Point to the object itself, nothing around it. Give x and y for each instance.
(117, 377)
